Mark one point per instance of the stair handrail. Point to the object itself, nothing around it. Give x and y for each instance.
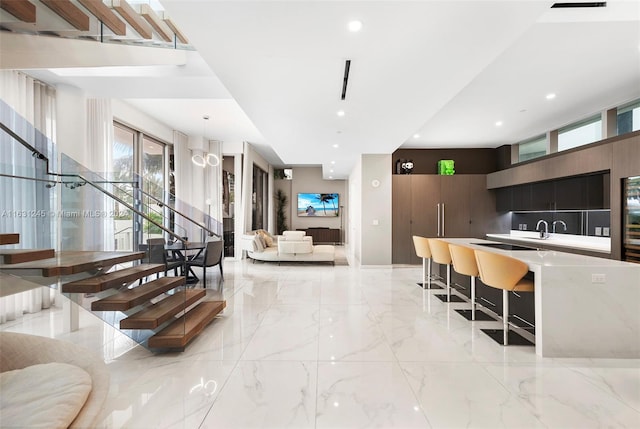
(163, 204)
(41, 156)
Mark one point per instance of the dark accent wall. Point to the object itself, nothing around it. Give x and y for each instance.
(467, 161)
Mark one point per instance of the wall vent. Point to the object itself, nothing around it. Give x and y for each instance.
(345, 79)
(579, 4)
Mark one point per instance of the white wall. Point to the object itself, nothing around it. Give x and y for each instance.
(376, 233)
(129, 115)
(309, 180)
(354, 223)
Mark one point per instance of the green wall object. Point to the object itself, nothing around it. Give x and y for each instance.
(445, 167)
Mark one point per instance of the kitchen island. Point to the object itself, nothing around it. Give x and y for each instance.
(585, 306)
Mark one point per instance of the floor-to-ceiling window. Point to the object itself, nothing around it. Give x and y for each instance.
(138, 160)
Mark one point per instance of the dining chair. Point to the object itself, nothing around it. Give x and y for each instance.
(211, 257)
(156, 254)
(508, 274)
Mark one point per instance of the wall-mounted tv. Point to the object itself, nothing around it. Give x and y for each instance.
(318, 205)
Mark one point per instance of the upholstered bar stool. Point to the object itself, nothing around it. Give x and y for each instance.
(440, 255)
(506, 273)
(464, 262)
(421, 244)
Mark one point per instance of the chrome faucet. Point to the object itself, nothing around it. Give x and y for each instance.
(561, 222)
(543, 234)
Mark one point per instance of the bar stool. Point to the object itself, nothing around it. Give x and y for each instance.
(506, 273)
(464, 262)
(421, 244)
(440, 255)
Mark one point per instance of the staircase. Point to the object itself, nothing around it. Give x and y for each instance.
(174, 314)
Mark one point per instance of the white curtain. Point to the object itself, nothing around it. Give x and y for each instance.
(28, 108)
(99, 232)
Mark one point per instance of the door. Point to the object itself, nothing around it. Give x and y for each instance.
(401, 219)
(455, 205)
(425, 195)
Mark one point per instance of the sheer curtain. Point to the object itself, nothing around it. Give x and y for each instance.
(28, 108)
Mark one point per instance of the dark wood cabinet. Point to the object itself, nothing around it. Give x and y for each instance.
(445, 206)
(587, 192)
(323, 235)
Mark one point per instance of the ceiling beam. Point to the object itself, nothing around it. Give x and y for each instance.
(176, 30)
(131, 16)
(69, 12)
(105, 15)
(161, 28)
(24, 10)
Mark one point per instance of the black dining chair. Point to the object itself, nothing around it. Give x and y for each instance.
(156, 254)
(211, 257)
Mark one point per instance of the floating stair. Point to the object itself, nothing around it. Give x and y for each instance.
(16, 256)
(9, 239)
(75, 262)
(156, 314)
(183, 330)
(130, 298)
(113, 279)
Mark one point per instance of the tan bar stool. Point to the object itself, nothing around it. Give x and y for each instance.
(506, 273)
(464, 262)
(421, 244)
(440, 255)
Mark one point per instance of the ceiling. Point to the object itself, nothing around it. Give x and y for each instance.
(426, 74)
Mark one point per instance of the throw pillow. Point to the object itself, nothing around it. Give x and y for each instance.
(43, 396)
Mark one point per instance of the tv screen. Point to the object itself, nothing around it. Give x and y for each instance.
(318, 205)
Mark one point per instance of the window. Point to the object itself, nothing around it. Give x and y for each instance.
(629, 118)
(136, 155)
(531, 149)
(259, 199)
(581, 133)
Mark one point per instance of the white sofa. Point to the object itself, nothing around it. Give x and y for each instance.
(291, 246)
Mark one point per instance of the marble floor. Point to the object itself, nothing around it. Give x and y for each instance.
(317, 346)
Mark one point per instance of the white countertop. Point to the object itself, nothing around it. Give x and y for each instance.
(579, 242)
(546, 258)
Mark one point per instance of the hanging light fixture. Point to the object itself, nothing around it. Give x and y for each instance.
(210, 158)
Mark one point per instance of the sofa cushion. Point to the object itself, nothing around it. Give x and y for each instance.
(43, 396)
(293, 235)
(294, 247)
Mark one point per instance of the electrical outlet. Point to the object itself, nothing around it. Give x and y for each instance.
(605, 231)
(598, 231)
(598, 278)
(375, 222)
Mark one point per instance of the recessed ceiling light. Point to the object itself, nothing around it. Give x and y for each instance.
(336, 145)
(416, 136)
(355, 26)
(330, 177)
(333, 162)
(331, 171)
(551, 96)
(499, 124)
(340, 113)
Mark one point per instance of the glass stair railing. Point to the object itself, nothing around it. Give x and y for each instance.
(83, 215)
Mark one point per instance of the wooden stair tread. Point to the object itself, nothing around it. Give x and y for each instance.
(74, 262)
(16, 256)
(130, 298)
(187, 327)
(112, 279)
(156, 314)
(9, 238)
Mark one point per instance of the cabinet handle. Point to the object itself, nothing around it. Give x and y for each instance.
(443, 219)
(438, 213)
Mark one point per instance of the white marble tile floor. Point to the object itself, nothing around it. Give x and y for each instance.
(318, 346)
